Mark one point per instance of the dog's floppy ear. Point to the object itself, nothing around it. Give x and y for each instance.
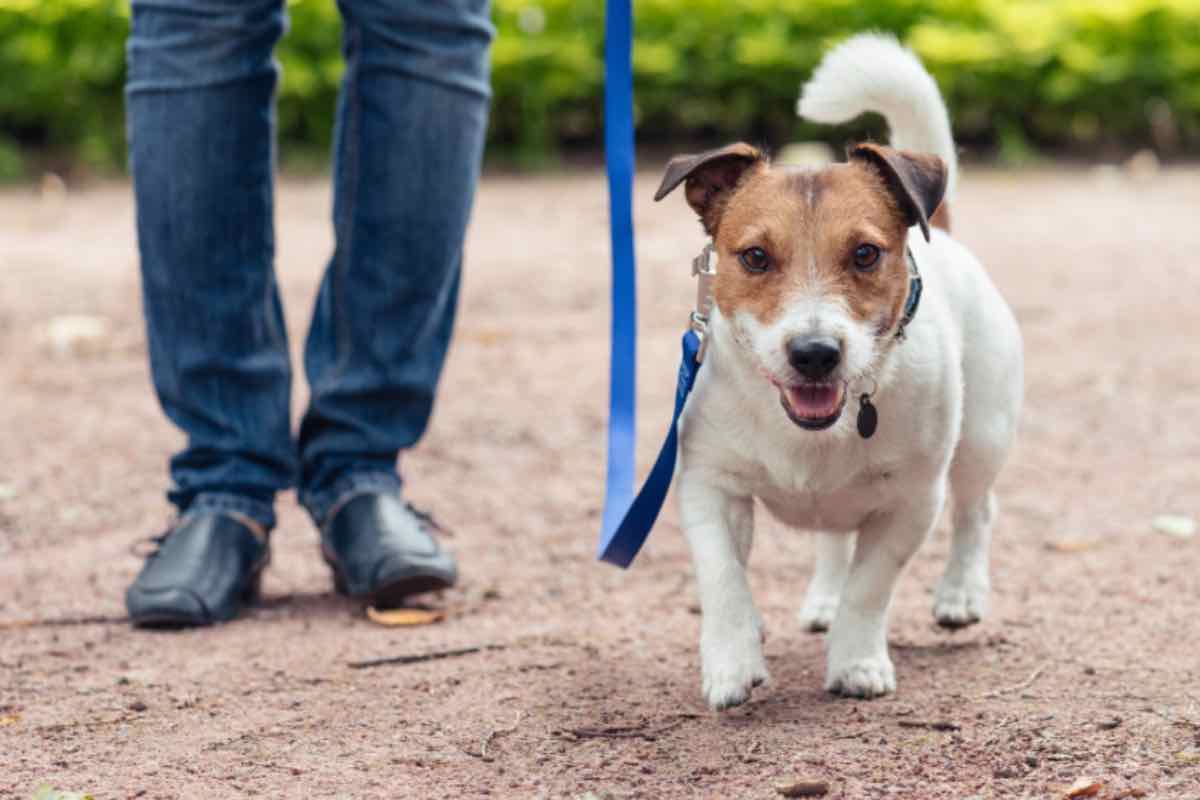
(916, 180)
(710, 176)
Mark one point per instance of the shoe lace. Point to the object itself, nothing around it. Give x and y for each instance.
(426, 519)
(150, 546)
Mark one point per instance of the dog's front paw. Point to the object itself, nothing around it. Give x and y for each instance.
(818, 611)
(731, 671)
(864, 677)
(959, 604)
(729, 685)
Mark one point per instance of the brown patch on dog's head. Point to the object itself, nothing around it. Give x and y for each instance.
(813, 267)
(711, 178)
(810, 224)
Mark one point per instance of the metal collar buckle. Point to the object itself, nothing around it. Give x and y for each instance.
(704, 269)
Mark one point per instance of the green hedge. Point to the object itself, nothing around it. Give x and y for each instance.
(1085, 74)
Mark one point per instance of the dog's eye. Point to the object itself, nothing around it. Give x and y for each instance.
(755, 259)
(865, 257)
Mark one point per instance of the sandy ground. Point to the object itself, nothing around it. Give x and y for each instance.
(1087, 666)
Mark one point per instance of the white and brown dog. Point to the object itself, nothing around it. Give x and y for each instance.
(813, 297)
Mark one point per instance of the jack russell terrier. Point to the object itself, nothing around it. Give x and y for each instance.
(828, 393)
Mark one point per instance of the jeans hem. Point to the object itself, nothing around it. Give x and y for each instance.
(322, 505)
(257, 510)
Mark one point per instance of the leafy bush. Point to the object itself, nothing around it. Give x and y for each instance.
(1074, 73)
(62, 63)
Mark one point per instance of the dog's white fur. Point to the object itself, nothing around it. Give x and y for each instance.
(948, 399)
(870, 72)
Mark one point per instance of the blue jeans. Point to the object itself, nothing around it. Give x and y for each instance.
(411, 120)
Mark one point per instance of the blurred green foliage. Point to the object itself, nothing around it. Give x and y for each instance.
(1082, 74)
(61, 67)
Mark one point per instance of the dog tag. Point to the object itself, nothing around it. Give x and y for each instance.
(868, 417)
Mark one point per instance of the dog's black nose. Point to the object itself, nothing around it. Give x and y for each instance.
(814, 357)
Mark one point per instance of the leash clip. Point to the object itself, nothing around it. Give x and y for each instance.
(704, 269)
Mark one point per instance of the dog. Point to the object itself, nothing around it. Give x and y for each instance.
(827, 393)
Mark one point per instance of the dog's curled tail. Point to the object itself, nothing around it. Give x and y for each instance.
(874, 72)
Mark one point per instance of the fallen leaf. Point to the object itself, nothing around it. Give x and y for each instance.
(1084, 787)
(800, 788)
(403, 617)
(9, 719)
(1072, 545)
(1174, 525)
(1188, 756)
(45, 792)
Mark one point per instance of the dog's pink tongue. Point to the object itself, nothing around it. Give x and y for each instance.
(814, 401)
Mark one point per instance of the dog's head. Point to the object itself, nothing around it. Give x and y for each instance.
(812, 273)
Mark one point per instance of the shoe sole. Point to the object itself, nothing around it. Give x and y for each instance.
(394, 593)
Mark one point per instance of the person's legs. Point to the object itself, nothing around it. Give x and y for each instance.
(411, 122)
(199, 94)
(200, 90)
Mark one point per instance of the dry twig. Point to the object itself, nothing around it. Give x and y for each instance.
(623, 731)
(61, 622)
(420, 658)
(492, 735)
(859, 734)
(1025, 684)
(940, 725)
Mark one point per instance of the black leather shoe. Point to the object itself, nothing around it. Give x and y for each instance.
(382, 550)
(204, 569)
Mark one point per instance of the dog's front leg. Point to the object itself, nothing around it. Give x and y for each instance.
(720, 529)
(857, 660)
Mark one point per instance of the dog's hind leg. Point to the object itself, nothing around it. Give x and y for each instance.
(993, 385)
(719, 528)
(833, 552)
(962, 593)
(988, 429)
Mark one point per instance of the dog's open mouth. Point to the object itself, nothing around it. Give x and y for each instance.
(814, 406)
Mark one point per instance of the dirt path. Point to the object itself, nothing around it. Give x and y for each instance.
(1088, 665)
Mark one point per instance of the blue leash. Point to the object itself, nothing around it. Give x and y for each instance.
(628, 519)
